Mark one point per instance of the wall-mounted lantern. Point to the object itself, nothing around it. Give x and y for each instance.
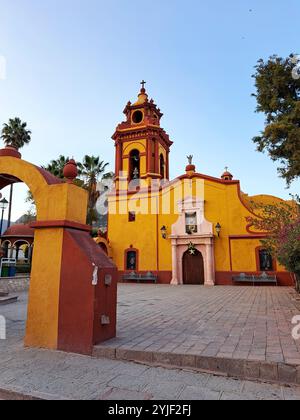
(163, 231)
(218, 229)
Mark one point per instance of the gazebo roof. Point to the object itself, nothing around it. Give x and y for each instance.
(19, 231)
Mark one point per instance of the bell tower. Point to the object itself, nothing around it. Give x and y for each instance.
(142, 146)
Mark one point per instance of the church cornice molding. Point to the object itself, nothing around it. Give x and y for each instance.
(136, 133)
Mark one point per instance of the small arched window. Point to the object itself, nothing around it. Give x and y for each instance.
(265, 260)
(135, 164)
(162, 166)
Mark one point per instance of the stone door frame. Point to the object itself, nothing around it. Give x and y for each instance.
(203, 241)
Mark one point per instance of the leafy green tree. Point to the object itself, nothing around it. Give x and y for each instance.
(15, 134)
(289, 249)
(29, 198)
(28, 217)
(281, 223)
(278, 97)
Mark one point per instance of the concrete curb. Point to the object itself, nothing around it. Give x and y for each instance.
(279, 373)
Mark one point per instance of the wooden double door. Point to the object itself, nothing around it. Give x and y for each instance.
(193, 268)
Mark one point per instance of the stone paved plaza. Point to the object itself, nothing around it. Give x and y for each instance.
(253, 323)
(55, 375)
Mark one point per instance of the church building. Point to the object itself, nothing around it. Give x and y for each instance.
(190, 230)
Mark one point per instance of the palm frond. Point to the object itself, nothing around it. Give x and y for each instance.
(16, 134)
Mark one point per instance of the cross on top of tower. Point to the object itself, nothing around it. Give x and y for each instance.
(143, 84)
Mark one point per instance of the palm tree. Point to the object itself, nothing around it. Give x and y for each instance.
(91, 169)
(56, 167)
(109, 176)
(15, 134)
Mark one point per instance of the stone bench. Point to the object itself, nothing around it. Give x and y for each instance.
(264, 278)
(139, 278)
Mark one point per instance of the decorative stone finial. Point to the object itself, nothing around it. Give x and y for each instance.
(71, 171)
(191, 168)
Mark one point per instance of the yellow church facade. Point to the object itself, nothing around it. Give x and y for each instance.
(191, 230)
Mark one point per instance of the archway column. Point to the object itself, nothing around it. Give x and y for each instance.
(30, 251)
(175, 281)
(66, 305)
(73, 286)
(11, 251)
(210, 265)
(17, 252)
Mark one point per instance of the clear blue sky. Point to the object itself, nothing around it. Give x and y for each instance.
(72, 65)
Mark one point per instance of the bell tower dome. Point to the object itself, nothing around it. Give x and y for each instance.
(142, 146)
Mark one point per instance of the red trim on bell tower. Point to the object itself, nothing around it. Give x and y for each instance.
(143, 123)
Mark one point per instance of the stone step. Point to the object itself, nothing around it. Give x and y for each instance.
(3, 294)
(6, 300)
(261, 371)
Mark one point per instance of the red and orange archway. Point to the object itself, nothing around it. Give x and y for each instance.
(73, 287)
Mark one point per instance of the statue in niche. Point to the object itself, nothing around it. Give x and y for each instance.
(136, 174)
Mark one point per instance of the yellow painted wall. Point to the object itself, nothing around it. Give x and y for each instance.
(222, 205)
(42, 318)
(243, 255)
(57, 202)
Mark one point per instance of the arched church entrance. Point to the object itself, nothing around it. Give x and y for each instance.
(193, 268)
(73, 284)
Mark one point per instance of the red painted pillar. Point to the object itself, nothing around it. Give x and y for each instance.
(167, 166)
(118, 158)
(156, 157)
(87, 309)
(149, 155)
